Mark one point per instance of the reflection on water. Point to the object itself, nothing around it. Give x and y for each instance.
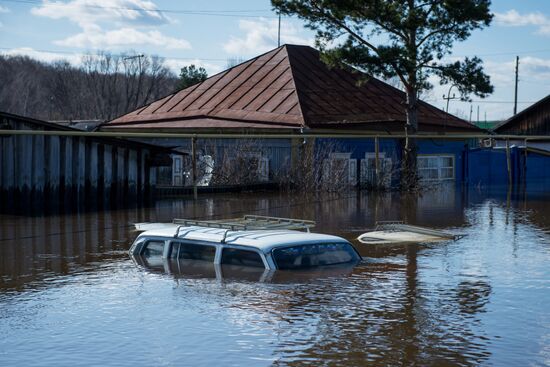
(70, 294)
(196, 269)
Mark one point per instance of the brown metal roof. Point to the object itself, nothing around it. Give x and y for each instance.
(288, 87)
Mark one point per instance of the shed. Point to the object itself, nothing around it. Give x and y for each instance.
(72, 171)
(534, 120)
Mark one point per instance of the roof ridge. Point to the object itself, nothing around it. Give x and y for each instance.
(300, 99)
(292, 85)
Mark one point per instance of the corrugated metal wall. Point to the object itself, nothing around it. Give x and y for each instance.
(35, 169)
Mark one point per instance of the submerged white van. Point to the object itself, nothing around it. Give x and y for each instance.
(255, 241)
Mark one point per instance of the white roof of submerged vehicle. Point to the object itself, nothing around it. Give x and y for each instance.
(269, 242)
(397, 232)
(264, 240)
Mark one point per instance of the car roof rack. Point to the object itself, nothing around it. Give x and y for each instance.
(246, 223)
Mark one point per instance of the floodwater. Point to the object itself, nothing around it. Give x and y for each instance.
(71, 296)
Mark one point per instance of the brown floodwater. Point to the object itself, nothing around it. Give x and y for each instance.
(71, 296)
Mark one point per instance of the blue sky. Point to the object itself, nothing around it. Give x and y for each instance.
(209, 33)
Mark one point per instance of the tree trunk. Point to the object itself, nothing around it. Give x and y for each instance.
(409, 177)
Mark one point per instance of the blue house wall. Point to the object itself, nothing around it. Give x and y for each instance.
(392, 149)
(457, 148)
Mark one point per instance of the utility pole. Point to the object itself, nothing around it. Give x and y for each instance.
(516, 93)
(471, 110)
(449, 97)
(279, 32)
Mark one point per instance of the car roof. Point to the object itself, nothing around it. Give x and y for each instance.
(264, 240)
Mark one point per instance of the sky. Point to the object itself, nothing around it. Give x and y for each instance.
(211, 33)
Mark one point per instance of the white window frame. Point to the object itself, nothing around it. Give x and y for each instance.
(368, 169)
(438, 166)
(349, 163)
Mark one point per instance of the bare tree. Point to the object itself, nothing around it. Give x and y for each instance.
(235, 163)
(103, 87)
(315, 170)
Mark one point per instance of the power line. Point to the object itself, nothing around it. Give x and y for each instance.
(480, 101)
(113, 54)
(224, 13)
(512, 102)
(503, 53)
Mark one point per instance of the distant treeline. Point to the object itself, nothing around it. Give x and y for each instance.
(103, 87)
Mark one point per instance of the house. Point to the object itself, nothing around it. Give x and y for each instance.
(534, 120)
(289, 90)
(64, 171)
(514, 157)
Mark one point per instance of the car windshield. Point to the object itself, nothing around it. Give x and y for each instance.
(310, 255)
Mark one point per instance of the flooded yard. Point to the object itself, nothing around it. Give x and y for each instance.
(71, 295)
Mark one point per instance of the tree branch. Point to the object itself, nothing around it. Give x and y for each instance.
(442, 30)
(361, 40)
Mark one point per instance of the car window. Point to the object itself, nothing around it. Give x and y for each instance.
(153, 248)
(306, 256)
(233, 256)
(192, 251)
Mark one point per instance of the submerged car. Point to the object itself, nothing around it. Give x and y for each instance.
(253, 241)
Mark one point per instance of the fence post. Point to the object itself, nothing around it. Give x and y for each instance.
(194, 166)
(377, 161)
(508, 162)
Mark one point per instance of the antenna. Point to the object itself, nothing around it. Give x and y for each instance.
(279, 32)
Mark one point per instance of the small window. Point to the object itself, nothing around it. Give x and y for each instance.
(307, 256)
(192, 251)
(436, 167)
(153, 248)
(233, 256)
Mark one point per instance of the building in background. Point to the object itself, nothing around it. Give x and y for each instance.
(534, 120)
(516, 161)
(290, 90)
(53, 171)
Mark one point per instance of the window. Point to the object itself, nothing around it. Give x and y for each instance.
(233, 256)
(306, 256)
(339, 167)
(153, 248)
(436, 167)
(368, 170)
(193, 251)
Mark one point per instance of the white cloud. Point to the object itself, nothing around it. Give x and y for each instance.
(261, 36)
(3, 9)
(534, 77)
(512, 18)
(91, 12)
(108, 24)
(176, 64)
(530, 69)
(74, 59)
(97, 38)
